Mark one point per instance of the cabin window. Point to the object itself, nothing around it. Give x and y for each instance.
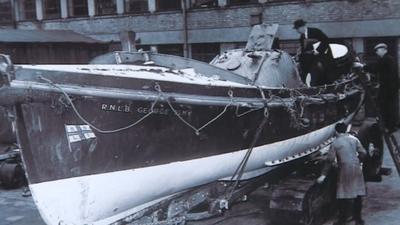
(52, 9)
(204, 3)
(78, 8)
(241, 2)
(133, 6)
(5, 11)
(106, 7)
(205, 52)
(168, 5)
(173, 49)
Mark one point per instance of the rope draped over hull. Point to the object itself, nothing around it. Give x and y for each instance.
(288, 112)
(294, 105)
(174, 126)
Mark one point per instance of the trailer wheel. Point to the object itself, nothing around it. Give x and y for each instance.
(11, 175)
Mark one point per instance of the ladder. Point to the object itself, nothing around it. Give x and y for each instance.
(394, 149)
(389, 138)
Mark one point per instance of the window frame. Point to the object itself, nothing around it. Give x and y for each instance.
(6, 13)
(105, 14)
(45, 12)
(135, 12)
(71, 12)
(158, 9)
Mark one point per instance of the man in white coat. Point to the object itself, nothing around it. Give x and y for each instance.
(347, 150)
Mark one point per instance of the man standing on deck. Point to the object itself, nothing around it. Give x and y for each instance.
(386, 70)
(313, 60)
(347, 150)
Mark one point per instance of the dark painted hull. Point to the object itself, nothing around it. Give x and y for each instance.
(139, 146)
(195, 134)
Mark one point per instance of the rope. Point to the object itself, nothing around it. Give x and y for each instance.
(196, 130)
(242, 165)
(252, 110)
(161, 94)
(257, 73)
(291, 108)
(92, 125)
(246, 112)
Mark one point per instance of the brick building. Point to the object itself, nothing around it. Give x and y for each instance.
(202, 28)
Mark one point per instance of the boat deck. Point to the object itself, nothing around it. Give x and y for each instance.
(381, 206)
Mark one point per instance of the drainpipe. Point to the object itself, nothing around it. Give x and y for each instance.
(185, 29)
(14, 16)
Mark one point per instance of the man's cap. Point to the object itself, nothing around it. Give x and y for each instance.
(299, 23)
(380, 45)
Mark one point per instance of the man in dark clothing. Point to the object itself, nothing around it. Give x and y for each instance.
(386, 70)
(370, 136)
(313, 60)
(347, 150)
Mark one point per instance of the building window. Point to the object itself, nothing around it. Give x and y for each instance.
(167, 5)
(52, 9)
(143, 47)
(233, 45)
(77, 8)
(241, 2)
(27, 9)
(290, 47)
(106, 7)
(204, 3)
(170, 49)
(132, 6)
(342, 41)
(5, 11)
(205, 52)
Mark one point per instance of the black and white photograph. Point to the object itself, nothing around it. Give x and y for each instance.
(199, 112)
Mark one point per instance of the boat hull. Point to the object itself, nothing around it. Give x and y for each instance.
(61, 145)
(94, 154)
(89, 200)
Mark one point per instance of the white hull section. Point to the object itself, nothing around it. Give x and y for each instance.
(105, 198)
